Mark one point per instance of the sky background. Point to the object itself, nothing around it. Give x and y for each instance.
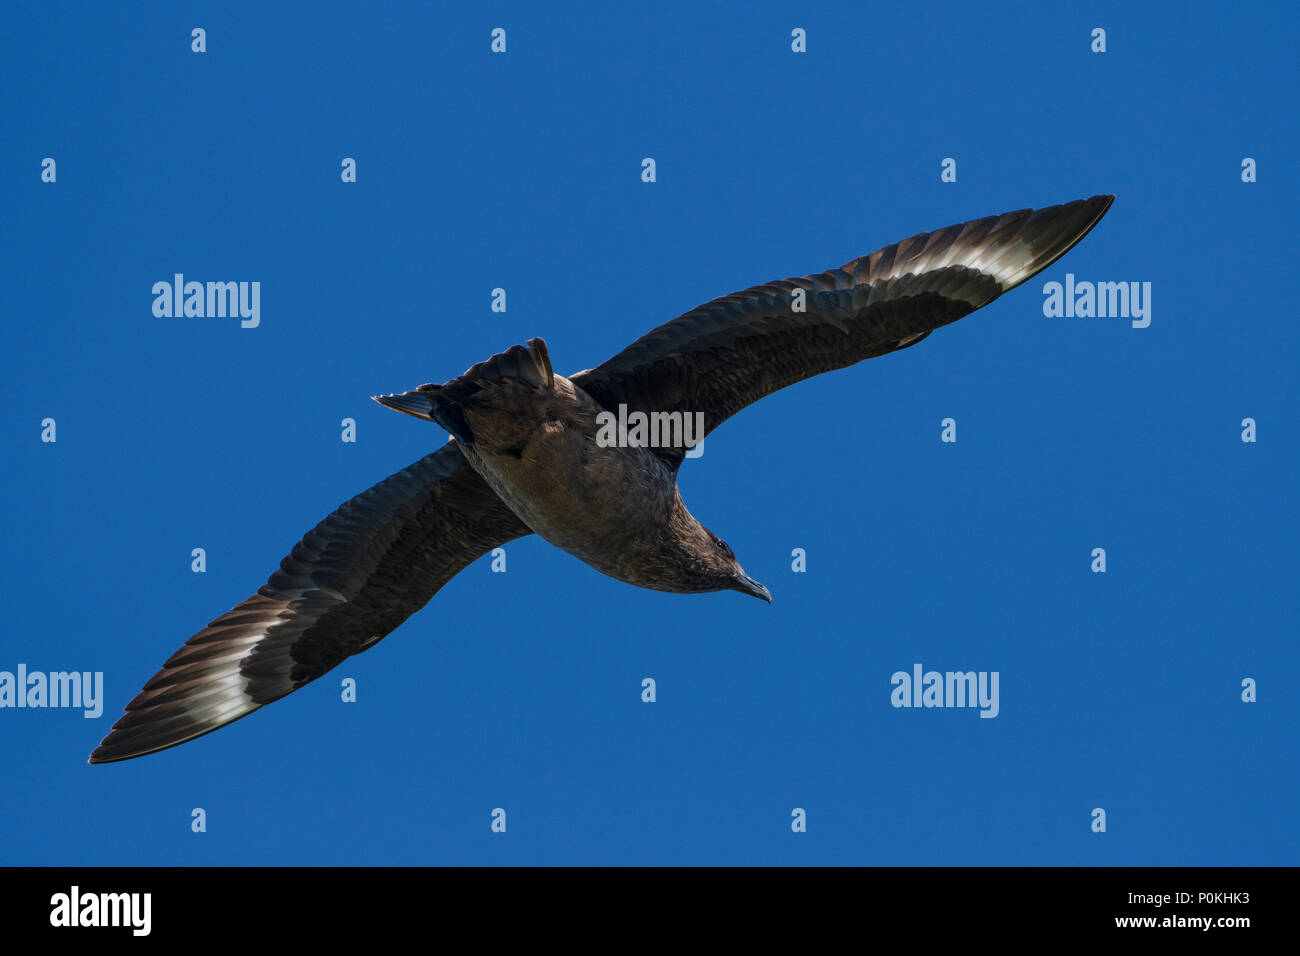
(522, 690)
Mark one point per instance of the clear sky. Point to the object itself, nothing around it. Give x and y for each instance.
(522, 690)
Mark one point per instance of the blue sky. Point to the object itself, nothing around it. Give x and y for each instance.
(522, 170)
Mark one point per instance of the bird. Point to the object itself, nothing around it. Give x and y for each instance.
(531, 451)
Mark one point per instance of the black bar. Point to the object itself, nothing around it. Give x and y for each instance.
(921, 904)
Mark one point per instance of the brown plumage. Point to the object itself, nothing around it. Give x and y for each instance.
(527, 457)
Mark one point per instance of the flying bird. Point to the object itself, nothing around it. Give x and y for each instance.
(527, 455)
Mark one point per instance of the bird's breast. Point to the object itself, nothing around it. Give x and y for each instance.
(606, 506)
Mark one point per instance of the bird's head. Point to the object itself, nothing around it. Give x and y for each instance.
(721, 565)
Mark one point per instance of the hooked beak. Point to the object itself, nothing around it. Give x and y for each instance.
(747, 585)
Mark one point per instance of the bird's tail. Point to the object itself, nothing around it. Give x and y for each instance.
(528, 365)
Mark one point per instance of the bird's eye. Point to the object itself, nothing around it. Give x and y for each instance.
(722, 545)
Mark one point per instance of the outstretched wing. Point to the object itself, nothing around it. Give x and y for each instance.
(354, 578)
(731, 352)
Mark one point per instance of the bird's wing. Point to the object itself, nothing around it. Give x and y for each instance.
(351, 580)
(729, 353)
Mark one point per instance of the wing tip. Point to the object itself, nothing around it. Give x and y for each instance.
(1101, 203)
(1097, 206)
(101, 755)
(129, 743)
(108, 752)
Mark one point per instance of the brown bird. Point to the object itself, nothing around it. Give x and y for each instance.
(533, 451)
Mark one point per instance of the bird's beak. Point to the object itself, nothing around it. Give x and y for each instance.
(747, 585)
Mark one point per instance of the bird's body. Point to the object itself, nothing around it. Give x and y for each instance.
(527, 456)
(615, 508)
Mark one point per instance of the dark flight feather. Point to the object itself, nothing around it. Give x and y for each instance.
(354, 578)
(728, 353)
